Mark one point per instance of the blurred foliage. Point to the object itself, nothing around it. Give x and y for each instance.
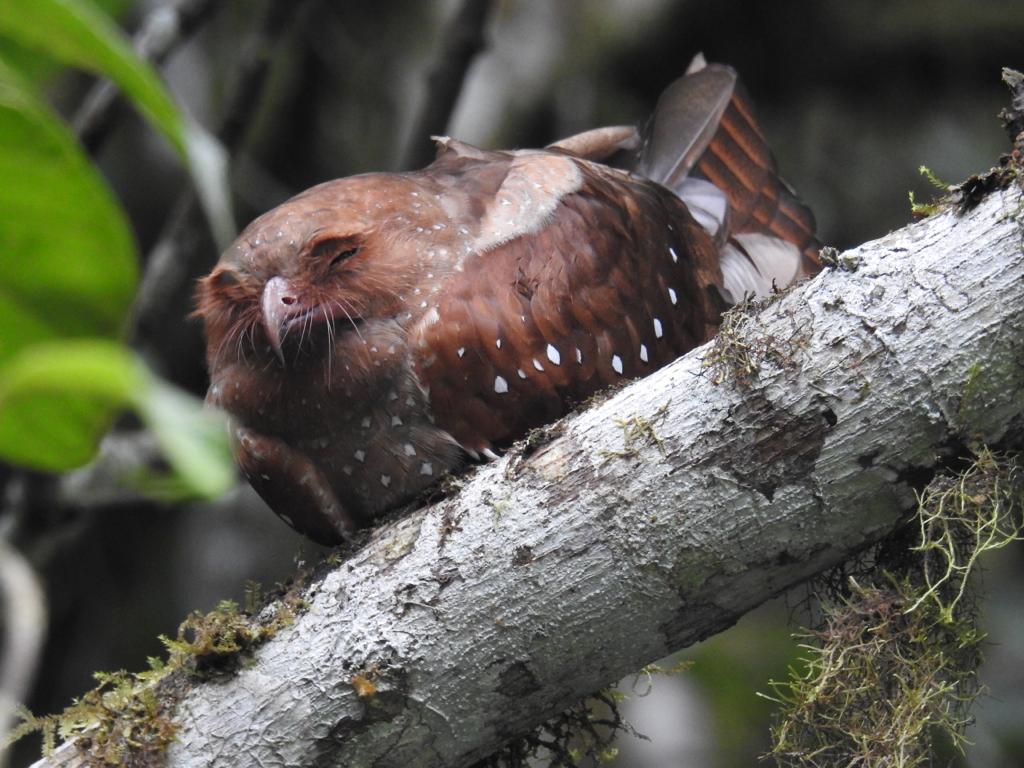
(68, 259)
(37, 68)
(78, 33)
(68, 268)
(728, 668)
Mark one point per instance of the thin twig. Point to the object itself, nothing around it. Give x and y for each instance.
(171, 264)
(462, 39)
(24, 623)
(253, 67)
(161, 33)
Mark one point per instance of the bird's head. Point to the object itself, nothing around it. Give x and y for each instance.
(319, 267)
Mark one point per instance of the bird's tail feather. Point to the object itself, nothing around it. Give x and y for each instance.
(704, 143)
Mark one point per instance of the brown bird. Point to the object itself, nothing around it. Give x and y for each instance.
(372, 332)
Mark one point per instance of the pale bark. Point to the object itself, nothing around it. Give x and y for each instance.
(654, 519)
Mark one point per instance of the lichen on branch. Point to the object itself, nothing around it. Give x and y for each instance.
(891, 672)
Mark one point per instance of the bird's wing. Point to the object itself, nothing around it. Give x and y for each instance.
(600, 144)
(583, 277)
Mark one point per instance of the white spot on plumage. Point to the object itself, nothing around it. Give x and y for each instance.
(426, 468)
(553, 355)
(410, 449)
(365, 422)
(617, 364)
(643, 353)
(500, 385)
(347, 469)
(460, 351)
(521, 372)
(658, 331)
(672, 295)
(396, 421)
(672, 252)
(497, 343)
(537, 365)
(385, 480)
(579, 355)
(360, 455)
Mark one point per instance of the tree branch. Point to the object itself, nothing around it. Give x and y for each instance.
(162, 31)
(649, 521)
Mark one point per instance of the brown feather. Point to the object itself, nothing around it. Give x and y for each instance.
(368, 334)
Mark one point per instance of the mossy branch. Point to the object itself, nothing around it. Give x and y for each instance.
(473, 626)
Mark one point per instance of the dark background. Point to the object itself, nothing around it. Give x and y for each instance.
(853, 97)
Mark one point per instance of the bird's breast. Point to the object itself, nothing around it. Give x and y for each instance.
(357, 411)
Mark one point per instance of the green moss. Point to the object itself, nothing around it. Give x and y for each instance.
(216, 641)
(921, 210)
(960, 519)
(126, 719)
(121, 721)
(934, 180)
(741, 347)
(638, 431)
(891, 672)
(928, 209)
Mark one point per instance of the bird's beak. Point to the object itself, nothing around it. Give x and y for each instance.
(279, 303)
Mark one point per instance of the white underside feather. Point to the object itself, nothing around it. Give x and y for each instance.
(759, 263)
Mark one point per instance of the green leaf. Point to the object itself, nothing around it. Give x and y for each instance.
(37, 68)
(58, 398)
(67, 259)
(194, 439)
(77, 33)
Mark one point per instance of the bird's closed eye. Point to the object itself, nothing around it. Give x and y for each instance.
(335, 250)
(346, 254)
